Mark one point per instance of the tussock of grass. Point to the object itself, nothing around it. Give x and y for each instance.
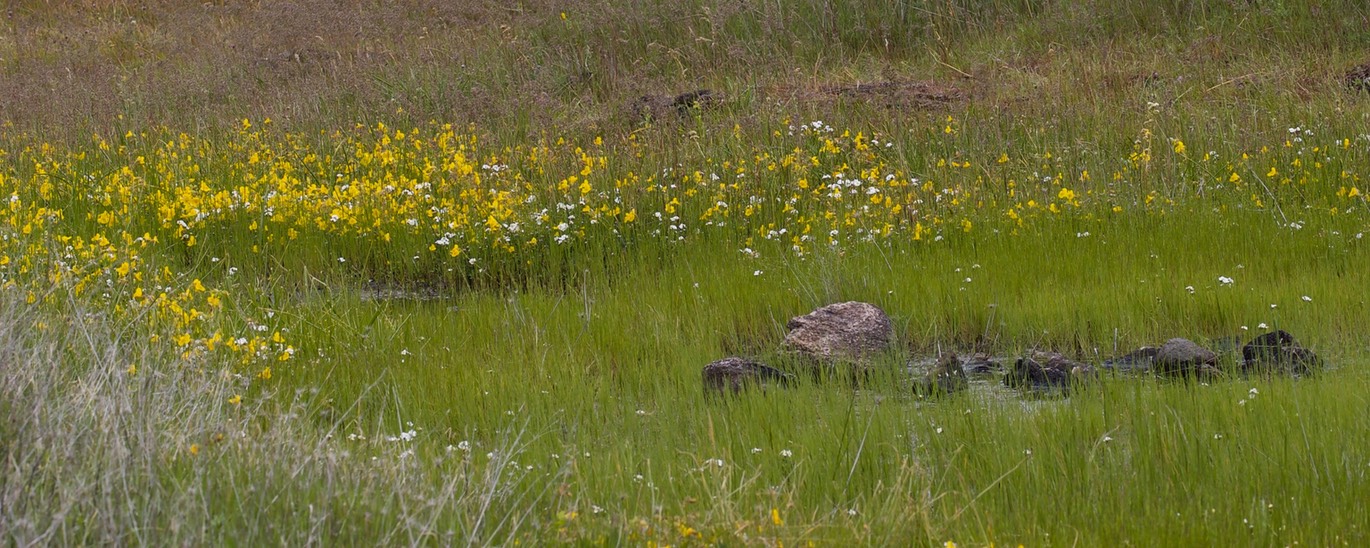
(106, 440)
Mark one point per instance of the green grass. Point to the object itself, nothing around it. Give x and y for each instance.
(193, 350)
(614, 371)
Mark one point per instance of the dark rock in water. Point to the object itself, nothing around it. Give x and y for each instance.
(842, 332)
(945, 377)
(1225, 345)
(1046, 370)
(1278, 352)
(736, 374)
(1185, 358)
(1268, 346)
(1140, 359)
(980, 363)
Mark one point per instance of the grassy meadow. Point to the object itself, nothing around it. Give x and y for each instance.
(363, 273)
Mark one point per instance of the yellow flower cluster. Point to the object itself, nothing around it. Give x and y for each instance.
(65, 243)
(437, 199)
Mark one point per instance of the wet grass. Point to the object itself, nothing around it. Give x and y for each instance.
(608, 378)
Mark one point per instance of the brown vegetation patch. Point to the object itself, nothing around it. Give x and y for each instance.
(659, 108)
(893, 94)
(1122, 81)
(1358, 78)
(84, 63)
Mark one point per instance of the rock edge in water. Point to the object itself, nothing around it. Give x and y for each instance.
(735, 374)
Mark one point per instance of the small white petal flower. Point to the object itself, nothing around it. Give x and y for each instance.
(1307, 299)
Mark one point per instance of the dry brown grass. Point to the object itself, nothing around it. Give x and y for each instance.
(71, 68)
(83, 64)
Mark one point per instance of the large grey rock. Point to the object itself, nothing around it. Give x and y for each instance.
(1047, 371)
(1185, 358)
(734, 374)
(1278, 352)
(849, 331)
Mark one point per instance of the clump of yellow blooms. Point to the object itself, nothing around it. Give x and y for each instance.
(153, 224)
